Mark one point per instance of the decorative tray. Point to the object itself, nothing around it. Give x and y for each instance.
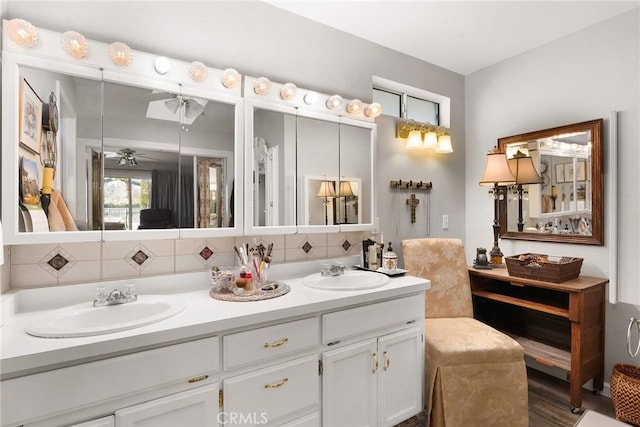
(396, 272)
(270, 290)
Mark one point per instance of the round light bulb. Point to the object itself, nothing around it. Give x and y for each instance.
(120, 54)
(22, 32)
(262, 86)
(373, 110)
(334, 102)
(355, 107)
(75, 44)
(198, 72)
(288, 91)
(162, 65)
(230, 78)
(311, 98)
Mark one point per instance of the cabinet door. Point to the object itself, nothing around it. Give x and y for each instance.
(400, 376)
(198, 407)
(349, 390)
(100, 422)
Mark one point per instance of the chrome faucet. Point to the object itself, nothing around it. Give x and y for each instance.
(116, 296)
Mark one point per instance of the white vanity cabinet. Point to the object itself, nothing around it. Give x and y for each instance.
(375, 381)
(273, 375)
(197, 407)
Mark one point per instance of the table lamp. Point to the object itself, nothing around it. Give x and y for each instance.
(327, 189)
(525, 172)
(345, 191)
(496, 174)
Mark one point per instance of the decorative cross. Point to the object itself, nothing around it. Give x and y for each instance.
(413, 202)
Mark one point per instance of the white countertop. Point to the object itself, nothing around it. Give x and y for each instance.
(23, 354)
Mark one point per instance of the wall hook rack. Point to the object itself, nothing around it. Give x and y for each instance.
(411, 184)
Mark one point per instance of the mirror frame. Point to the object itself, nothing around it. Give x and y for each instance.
(597, 185)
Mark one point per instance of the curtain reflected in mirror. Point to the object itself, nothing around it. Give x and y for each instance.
(212, 212)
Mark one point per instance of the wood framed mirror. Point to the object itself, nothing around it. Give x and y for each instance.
(568, 205)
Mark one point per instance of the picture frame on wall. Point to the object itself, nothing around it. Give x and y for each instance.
(30, 123)
(568, 172)
(560, 173)
(581, 172)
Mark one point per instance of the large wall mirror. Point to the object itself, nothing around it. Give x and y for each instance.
(567, 205)
(129, 155)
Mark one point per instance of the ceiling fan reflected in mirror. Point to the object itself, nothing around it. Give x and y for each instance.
(127, 157)
(170, 109)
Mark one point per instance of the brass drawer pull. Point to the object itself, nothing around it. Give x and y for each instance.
(387, 361)
(282, 342)
(278, 384)
(375, 362)
(196, 379)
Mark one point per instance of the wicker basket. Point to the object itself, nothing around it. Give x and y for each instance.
(544, 267)
(625, 393)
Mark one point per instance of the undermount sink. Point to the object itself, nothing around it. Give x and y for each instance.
(84, 319)
(351, 280)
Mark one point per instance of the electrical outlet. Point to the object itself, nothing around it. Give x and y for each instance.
(445, 222)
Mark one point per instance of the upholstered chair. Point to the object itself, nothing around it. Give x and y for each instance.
(475, 375)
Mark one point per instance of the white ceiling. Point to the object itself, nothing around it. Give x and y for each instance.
(461, 36)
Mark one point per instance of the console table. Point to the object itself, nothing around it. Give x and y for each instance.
(557, 324)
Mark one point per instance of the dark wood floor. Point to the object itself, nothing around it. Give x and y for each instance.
(548, 403)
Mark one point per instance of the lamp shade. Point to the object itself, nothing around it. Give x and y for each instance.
(414, 141)
(444, 144)
(345, 189)
(327, 189)
(497, 171)
(524, 170)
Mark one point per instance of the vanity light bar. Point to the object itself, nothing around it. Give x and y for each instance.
(288, 94)
(22, 37)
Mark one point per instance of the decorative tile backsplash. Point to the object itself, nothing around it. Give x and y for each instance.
(68, 263)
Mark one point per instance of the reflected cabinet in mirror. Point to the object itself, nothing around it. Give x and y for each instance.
(567, 203)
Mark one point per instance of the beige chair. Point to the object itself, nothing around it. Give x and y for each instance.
(475, 375)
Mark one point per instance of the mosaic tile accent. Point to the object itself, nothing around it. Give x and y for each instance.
(346, 245)
(140, 257)
(58, 262)
(306, 247)
(206, 253)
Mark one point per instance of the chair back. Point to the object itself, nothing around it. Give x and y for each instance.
(443, 262)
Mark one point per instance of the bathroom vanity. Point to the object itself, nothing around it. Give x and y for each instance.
(309, 358)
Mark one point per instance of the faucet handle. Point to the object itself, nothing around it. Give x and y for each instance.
(101, 296)
(130, 292)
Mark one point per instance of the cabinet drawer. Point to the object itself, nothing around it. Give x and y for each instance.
(311, 420)
(356, 321)
(273, 341)
(53, 392)
(274, 392)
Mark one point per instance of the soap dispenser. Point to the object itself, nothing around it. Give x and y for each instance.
(390, 260)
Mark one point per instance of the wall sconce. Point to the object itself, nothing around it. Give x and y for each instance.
(497, 174)
(22, 32)
(355, 107)
(525, 172)
(198, 72)
(75, 44)
(288, 91)
(230, 78)
(262, 86)
(424, 135)
(373, 110)
(334, 102)
(120, 54)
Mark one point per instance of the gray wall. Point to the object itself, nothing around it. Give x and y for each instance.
(583, 76)
(258, 39)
